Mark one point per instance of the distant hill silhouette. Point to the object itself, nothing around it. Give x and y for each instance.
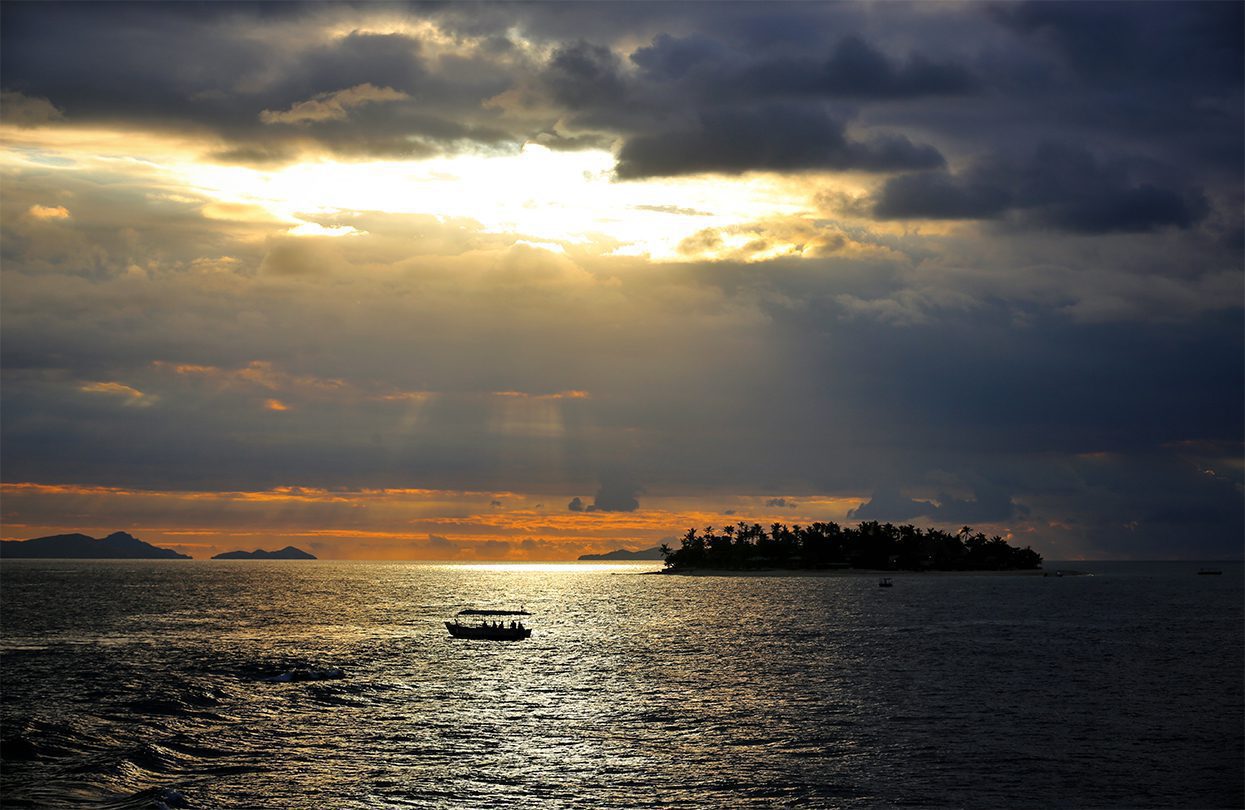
(116, 546)
(287, 553)
(624, 554)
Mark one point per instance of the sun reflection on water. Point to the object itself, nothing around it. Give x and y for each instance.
(554, 567)
(632, 690)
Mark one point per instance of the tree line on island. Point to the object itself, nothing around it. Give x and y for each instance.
(871, 545)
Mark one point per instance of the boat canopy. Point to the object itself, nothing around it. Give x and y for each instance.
(475, 612)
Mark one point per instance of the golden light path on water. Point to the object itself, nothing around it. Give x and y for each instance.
(258, 684)
(551, 567)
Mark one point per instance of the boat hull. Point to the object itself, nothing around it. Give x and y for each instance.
(488, 633)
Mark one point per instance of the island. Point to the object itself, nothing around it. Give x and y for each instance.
(287, 553)
(116, 546)
(653, 553)
(827, 546)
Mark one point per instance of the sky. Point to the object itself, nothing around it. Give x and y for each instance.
(524, 281)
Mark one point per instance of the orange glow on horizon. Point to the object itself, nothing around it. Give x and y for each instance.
(376, 523)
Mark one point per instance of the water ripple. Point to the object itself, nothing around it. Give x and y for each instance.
(336, 685)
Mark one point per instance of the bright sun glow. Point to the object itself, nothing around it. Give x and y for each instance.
(541, 197)
(538, 194)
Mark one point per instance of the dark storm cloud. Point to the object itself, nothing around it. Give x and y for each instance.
(989, 504)
(585, 75)
(741, 110)
(616, 495)
(1164, 43)
(888, 504)
(1152, 505)
(217, 76)
(1059, 186)
(1048, 384)
(772, 137)
(1143, 505)
(222, 78)
(941, 195)
(442, 545)
(391, 60)
(856, 70)
(1161, 79)
(671, 58)
(912, 85)
(613, 496)
(111, 77)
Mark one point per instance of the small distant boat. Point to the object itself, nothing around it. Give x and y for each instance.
(491, 625)
(1209, 572)
(885, 582)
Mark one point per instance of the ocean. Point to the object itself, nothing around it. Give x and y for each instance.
(244, 684)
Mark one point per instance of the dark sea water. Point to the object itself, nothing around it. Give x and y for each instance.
(146, 684)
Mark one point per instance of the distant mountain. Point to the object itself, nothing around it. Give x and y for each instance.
(287, 553)
(116, 546)
(653, 553)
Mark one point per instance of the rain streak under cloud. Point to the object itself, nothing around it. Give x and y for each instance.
(525, 281)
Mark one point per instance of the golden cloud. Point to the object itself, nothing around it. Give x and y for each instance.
(572, 394)
(332, 106)
(131, 395)
(48, 212)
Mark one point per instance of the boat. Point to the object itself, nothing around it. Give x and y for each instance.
(1210, 572)
(492, 625)
(885, 582)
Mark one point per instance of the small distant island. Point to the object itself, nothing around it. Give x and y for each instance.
(287, 553)
(653, 553)
(826, 546)
(116, 546)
